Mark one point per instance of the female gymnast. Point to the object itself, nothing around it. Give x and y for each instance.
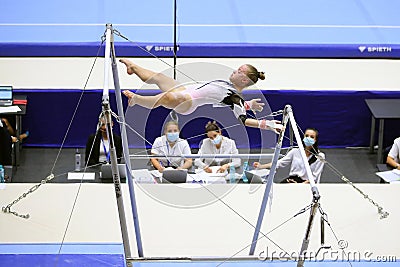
(184, 99)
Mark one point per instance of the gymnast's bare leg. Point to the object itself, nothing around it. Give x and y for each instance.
(164, 82)
(172, 100)
(170, 97)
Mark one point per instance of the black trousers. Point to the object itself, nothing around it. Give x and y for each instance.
(5, 147)
(295, 178)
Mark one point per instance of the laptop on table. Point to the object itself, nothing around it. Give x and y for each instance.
(174, 176)
(106, 172)
(257, 176)
(6, 95)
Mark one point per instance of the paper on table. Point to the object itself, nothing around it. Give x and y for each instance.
(9, 109)
(156, 173)
(215, 172)
(390, 176)
(206, 178)
(144, 176)
(260, 172)
(81, 175)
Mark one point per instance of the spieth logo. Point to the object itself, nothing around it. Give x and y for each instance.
(362, 48)
(375, 49)
(161, 48)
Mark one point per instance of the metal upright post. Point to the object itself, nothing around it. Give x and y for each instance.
(310, 176)
(113, 153)
(314, 191)
(269, 183)
(125, 147)
(288, 114)
(175, 37)
(380, 140)
(306, 240)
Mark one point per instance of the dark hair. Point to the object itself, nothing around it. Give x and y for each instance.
(212, 126)
(254, 74)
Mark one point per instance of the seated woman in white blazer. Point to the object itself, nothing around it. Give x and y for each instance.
(216, 143)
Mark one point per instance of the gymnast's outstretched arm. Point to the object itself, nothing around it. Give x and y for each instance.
(238, 106)
(272, 125)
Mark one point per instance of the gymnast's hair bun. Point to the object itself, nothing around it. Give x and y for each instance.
(261, 75)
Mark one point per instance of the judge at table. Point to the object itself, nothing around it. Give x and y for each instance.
(216, 143)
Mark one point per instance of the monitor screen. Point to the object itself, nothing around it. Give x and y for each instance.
(5, 92)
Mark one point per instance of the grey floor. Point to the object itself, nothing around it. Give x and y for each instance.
(37, 163)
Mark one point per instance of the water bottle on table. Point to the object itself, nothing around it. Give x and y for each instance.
(245, 168)
(232, 174)
(1, 174)
(77, 160)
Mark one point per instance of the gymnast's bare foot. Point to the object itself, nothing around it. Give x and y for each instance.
(131, 97)
(130, 67)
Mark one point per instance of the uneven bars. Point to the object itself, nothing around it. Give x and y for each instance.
(107, 64)
(112, 149)
(198, 156)
(310, 175)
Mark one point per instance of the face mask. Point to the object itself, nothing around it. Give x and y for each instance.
(217, 139)
(172, 137)
(308, 141)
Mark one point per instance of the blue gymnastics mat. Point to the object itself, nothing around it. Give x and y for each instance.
(106, 254)
(108, 260)
(71, 255)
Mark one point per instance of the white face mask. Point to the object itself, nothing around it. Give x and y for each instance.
(308, 141)
(217, 140)
(172, 137)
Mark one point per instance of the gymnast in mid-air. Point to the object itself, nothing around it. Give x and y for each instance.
(185, 98)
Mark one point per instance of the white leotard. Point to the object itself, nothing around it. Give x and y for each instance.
(216, 92)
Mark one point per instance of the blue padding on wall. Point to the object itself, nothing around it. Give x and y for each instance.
(214, 50)
(342, 117)
(49, 113)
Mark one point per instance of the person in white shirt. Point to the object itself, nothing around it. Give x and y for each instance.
(170, 144)
(297, 173)
(216, 143)
(393, 158)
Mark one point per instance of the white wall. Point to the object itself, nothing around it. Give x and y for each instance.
(302, 74)
(210, 229)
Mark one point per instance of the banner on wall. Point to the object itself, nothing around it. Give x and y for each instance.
(214, 50)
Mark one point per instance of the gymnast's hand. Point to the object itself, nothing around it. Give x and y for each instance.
(275, 126)
(255, 104)
(272, 125)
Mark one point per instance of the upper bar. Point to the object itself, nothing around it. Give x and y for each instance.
(197, 156)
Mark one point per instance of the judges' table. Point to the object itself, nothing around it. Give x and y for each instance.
(381, 109)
